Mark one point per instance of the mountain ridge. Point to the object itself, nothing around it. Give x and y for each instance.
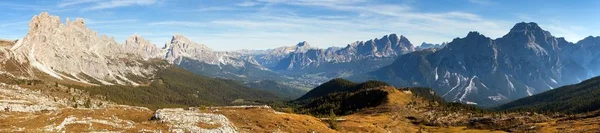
(479, 70)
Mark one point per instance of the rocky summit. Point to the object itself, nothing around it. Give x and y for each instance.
(74, 52)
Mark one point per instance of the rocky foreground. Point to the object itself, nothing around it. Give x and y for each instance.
(56, 108)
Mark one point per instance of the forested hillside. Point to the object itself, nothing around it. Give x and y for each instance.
(177, 87)
(577, 98)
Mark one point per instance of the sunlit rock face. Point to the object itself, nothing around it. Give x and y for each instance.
(72, 51)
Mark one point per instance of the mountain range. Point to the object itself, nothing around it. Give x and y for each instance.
(65, 52)
(479, 70)
(475, 69)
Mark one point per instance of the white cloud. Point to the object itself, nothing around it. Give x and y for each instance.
(89, 5)
(11, 24)
(259, 24)
(247, 4)
(215, 8)
(481, 2)
(179, 23)
(66, 3)
(119, 3)
(91, 22)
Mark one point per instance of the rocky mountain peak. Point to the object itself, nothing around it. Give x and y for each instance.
(474, 34)
(302, 44)
(79, 22)
(66, 51)
(180, 38)
(473, 42)
(134, 39)
(138, 45)
(43, 21)
(401, 38)
(526, 28)
(302, 47)
(182, 42)
(426, 45)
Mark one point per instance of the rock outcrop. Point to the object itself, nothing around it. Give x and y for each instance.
(182, 121)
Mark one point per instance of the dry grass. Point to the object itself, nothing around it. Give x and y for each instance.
(38, 121)
(397, 97)
(207, 125)
(571, 126)
(457, 129)
(266, 120)
(6, 43)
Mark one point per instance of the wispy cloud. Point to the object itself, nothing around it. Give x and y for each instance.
(20, 6)
(215, 8)
(179, 23)
(247, 24)
(247, 4)
(92, 22)
(120, 3)
(90, 5)
(361, 20)
(481, 2)
(11, 24)
(66, 3)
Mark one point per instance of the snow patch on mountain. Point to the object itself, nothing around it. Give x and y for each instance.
(530, 91)
(498, 97)
(469, 89)
(510, 84)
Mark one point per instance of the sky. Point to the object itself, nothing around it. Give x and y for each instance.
(260, 24)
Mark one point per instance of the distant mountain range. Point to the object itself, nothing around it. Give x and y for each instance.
(479, 70)
(425, 45)
(386, 47)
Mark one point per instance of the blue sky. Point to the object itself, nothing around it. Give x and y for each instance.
(261, 24)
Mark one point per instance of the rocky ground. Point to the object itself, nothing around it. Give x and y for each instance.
(35, 110)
